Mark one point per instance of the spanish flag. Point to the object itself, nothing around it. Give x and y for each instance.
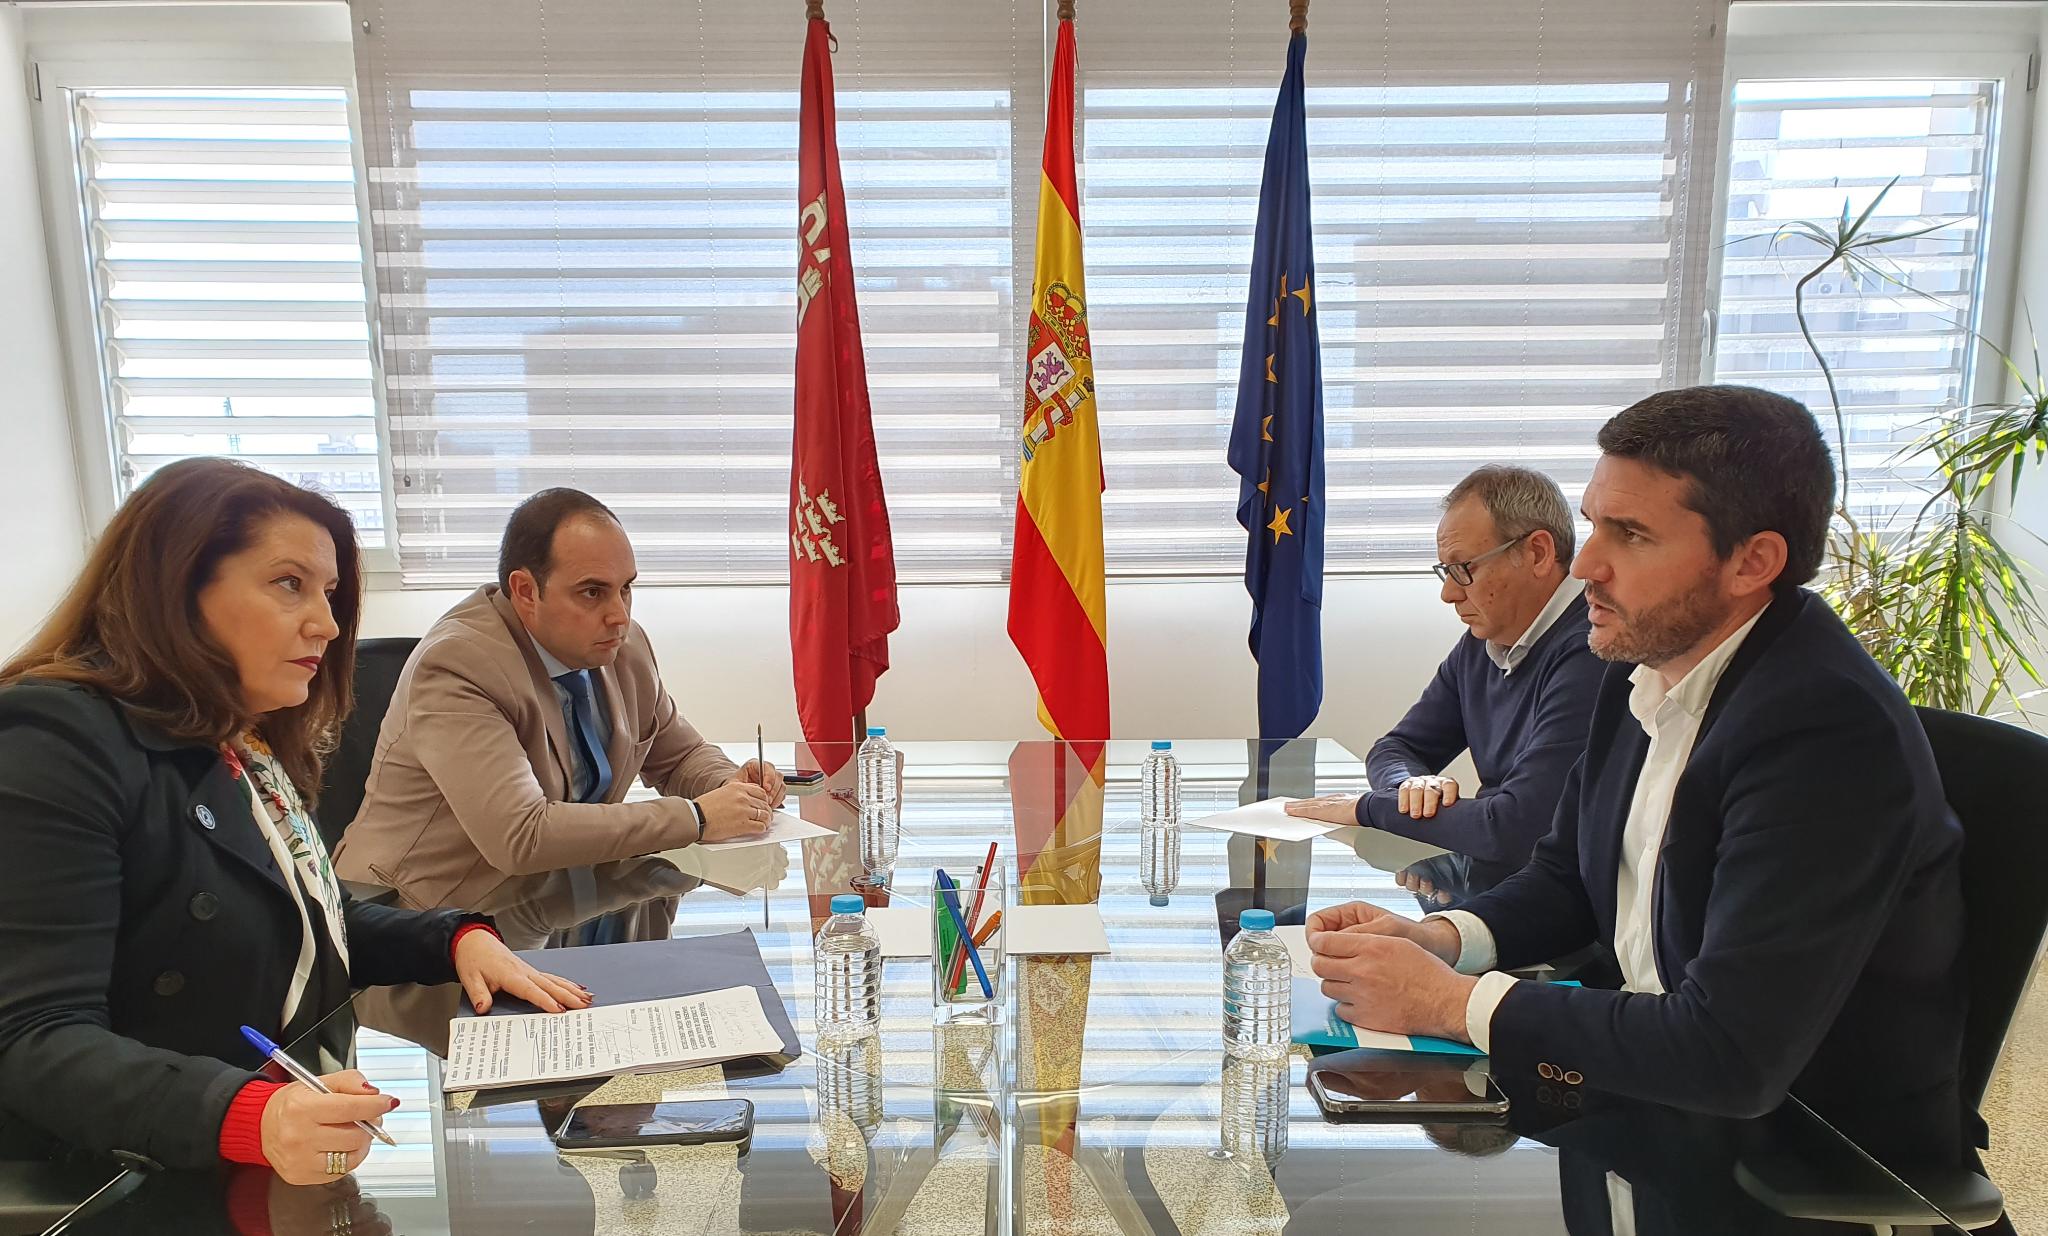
(1056, 590)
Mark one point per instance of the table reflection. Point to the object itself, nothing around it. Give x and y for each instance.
(1103, 1103)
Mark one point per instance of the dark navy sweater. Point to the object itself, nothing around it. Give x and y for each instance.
(1525, 730)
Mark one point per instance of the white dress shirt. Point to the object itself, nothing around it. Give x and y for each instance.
(1671, 717)
(1511, 656)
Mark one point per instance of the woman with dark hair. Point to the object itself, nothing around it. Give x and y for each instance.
(161, 880)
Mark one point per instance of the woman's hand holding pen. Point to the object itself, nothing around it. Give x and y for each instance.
(300, 1126)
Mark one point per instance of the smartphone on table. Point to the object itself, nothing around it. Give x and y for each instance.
(693, 1122)
(1392, 1087)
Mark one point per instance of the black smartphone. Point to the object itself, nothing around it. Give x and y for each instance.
(689, 1123)
(1400, 1087)
(803, 776)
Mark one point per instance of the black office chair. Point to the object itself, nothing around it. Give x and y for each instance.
(1991, 774)
(378, 663)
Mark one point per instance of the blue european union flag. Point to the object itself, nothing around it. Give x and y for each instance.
(1276, 443)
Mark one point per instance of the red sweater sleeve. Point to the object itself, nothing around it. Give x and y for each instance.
(465, 930)
(241, 1130)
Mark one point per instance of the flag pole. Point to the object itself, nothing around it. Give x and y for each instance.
(1297, 16)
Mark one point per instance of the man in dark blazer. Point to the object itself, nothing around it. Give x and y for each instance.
(1757, 831)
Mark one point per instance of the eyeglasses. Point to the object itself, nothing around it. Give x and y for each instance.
(1460, 573)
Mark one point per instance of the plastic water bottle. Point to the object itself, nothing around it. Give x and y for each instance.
(1159, 824)
(1255, 1096)
(1258, 990)
(878, 824)
(850, 1081)
(848, 973)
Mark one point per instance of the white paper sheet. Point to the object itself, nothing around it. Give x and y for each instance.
(1267, 818)
(1056, 931)
(782, 828)
(905, 931)
(1027, 931)
(485, 1052)
(1295, 937)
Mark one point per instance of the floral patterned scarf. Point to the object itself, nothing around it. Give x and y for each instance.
(296, 845)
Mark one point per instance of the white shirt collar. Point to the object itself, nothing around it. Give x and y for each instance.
(554, 668)
(1560, 600)
(1692, 692)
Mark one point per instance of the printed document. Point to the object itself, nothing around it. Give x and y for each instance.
(650, 1036)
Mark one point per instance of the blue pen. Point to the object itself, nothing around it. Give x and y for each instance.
(950, 895)
(300, 1073)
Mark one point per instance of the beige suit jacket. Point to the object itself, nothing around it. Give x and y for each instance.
(468, 785)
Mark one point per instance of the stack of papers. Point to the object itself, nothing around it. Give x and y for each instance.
(608, 1039)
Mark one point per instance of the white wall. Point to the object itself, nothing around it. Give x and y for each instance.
(2031, 296)
(42, 532)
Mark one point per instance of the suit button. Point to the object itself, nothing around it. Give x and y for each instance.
(204, 814)
(1548, 1072)
(1574, 1077)
(204, 906)
(169, 983)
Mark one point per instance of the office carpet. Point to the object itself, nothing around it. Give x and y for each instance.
(2016, 1106)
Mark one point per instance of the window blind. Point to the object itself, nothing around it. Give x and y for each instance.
(228, 275)
(585, 235)
(583, 230)
(1510, 203)
(1902, 355)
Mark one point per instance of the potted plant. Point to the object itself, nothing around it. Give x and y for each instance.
(1939, 599)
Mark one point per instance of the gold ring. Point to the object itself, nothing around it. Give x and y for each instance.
(337, 1163)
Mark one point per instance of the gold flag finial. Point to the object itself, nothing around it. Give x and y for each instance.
(1297, 16)
(1066, 10)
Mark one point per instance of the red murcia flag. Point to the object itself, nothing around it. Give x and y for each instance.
(842, 567)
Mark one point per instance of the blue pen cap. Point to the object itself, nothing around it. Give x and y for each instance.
(1160, 744)
(877, 731)
(848, 903)
(258, 1040)
(1255, 920)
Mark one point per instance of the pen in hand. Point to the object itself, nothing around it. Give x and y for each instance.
(299, 1073)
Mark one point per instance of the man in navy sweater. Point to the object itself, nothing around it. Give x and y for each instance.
(1517, 690)
(1757, 831)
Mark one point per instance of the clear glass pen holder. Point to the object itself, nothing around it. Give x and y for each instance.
(966, 930)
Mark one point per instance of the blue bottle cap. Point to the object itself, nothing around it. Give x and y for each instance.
(876, 731)
(851, 903)
(1255, 920)
(1160, 744)
(1158, 899)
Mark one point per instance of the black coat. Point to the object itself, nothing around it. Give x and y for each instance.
(1808, 909)
(143, 922)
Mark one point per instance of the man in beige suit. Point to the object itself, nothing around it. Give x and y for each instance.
(523, 717)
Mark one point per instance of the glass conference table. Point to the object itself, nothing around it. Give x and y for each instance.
(1097, 1106)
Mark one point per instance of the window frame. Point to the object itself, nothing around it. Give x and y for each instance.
(81, 324)
(1776, 46)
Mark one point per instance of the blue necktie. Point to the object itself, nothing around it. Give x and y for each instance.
(577, 683)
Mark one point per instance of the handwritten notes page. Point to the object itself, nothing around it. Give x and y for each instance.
(484, 1052)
